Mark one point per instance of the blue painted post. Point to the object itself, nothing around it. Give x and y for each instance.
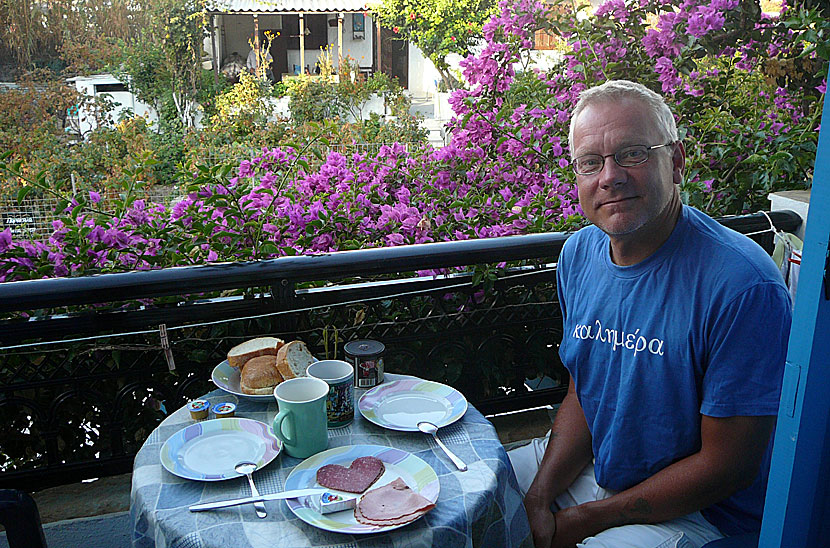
(797, 507)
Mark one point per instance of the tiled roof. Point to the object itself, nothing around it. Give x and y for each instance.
(276, 6)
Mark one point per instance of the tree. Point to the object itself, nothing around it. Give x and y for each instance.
(74, 35)
(164, 61)
(437, 27)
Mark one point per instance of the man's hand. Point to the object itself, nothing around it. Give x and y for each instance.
(572, 525)
(542, 521)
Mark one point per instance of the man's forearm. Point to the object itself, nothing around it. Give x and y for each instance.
(567, 453)
(684, 487)
(727, 462)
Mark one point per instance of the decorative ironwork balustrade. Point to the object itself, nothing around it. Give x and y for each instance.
(84, 380)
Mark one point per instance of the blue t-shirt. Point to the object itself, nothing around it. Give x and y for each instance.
(699, 327)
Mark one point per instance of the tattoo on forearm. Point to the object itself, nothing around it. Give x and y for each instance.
(641, 506)
(636, 511)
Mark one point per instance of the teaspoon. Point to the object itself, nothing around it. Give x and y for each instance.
(248, 468)
(429, 428)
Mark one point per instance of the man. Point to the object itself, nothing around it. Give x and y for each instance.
(252, 62)
(675, 334)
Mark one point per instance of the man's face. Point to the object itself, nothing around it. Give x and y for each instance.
(623, 200)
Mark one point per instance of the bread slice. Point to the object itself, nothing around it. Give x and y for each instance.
(261, 346)
(293, 359)
(259, 376)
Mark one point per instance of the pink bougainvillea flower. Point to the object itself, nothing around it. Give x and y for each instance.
(5, 240)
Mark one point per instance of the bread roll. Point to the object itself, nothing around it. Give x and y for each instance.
(261, 346)
(260, 375)
(293, 359)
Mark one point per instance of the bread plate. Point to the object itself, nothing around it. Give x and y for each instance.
(209, 450)
(417, 474)
(227, 378)
(402, 404)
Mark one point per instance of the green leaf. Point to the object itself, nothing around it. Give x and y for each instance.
(269, 248)
(23, 192)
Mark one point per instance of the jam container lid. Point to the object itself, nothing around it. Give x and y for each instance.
(198, 405)
(224, 407)
(364, 348)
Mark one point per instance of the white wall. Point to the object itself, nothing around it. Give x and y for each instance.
(361, 49)
(423, 75)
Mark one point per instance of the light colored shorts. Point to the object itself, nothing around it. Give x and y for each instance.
(689, 531)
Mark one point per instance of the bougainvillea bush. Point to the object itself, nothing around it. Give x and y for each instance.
(746, 89)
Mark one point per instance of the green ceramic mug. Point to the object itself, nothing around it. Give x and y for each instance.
(301, 421)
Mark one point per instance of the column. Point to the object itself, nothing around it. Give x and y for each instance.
(339, 39)
(302, 43)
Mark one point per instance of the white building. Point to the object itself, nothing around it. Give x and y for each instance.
(302, 27)
(82, 121)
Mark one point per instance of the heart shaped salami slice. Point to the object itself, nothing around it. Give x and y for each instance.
(358, 477)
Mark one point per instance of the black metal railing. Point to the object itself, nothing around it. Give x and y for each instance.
(82, 408)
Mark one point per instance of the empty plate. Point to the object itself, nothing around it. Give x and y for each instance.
(402, 404)
(209, 450)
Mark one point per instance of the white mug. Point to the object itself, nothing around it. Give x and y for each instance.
(339, 375)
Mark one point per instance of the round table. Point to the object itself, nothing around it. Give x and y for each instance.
(479, 507)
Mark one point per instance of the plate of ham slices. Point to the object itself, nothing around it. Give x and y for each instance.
(393, 488)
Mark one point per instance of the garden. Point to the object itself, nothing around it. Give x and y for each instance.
(746, 88)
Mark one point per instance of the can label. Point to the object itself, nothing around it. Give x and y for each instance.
(367, 357)
(368, 372)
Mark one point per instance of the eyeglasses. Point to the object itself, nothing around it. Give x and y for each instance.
(588, 164)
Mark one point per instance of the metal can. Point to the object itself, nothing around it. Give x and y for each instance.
(367, 358)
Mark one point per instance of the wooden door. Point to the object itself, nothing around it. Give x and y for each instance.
(797, 509)
(394, 56)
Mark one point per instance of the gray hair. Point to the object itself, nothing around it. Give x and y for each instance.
(617, 90)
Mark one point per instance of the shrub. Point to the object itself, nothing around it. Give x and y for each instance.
(750, 125)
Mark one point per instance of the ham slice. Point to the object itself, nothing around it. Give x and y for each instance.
(358, 477)
(393, 504)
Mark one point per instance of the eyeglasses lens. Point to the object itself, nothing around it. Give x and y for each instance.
(625, 157)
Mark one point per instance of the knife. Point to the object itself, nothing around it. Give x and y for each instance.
(294, 493)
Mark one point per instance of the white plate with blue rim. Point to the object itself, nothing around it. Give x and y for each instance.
(209, 450)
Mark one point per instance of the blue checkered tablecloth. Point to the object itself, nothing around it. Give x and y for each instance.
(481, 507)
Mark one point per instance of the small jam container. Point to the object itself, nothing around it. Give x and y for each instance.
(366, 356)
(198, 409)
(332, 502)
(224, 409)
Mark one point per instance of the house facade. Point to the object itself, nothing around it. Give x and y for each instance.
(300, 29)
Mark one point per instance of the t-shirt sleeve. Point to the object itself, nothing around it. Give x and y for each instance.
(562, 265)
(748, 348)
